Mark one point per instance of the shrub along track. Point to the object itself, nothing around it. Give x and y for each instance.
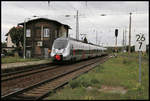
(38, 85)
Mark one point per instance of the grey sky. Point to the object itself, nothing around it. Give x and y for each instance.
(90, 21)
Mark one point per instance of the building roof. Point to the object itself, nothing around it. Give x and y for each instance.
(47, 20)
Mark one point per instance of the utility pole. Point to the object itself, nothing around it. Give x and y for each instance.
(125, 39)
(24, 52)
(116, 44)
(96, 37)
(77, 27)
(116, 34)
(129, 50)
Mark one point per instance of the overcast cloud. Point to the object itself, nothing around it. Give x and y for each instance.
(90, 19)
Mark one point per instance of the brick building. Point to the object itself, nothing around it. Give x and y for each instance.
(40, 34)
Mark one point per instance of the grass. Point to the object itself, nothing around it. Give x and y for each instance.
(10, 59)
(120, 71)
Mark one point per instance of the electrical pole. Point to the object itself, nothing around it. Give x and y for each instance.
(116, 44)
(24, 52)
(129, 34)
(116, 34)
(96, 37)
(77, 27)
(125, 39)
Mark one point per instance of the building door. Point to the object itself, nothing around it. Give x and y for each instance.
(46, 53)
(28, 54)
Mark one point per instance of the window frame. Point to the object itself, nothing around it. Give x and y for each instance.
(46, 32)
(27, 32)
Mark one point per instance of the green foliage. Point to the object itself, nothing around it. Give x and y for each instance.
(85, 81)
(74, 84)
(3, 44)
(125, 61)
(10, 53)
(16, 34)
(81, 82)
(94, 81)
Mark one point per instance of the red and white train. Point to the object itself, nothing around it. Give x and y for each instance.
(69, 49)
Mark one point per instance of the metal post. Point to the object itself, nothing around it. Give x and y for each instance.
(140, 67)
(77, 27)
(116, 45)
(24, 52)
(125, 40)
(129, 34)
(96, 37)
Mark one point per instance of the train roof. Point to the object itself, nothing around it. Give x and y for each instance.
(63, 38)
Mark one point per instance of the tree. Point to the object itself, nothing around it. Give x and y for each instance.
(17, 35)
(3, 44)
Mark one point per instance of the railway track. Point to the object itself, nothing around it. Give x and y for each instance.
(44, 87)
(17, 81)
(22, 73)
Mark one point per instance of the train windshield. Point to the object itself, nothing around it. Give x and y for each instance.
(60, 44)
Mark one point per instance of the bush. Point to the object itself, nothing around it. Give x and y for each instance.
(94, 81)
(74, 84)
(4, 51)
(85, 81)
(125, 61)
(80, 82)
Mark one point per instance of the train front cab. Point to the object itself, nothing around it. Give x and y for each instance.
(60, 51)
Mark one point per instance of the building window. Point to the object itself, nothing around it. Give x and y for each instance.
(39, 43)
(46, 32)
(28, 33)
